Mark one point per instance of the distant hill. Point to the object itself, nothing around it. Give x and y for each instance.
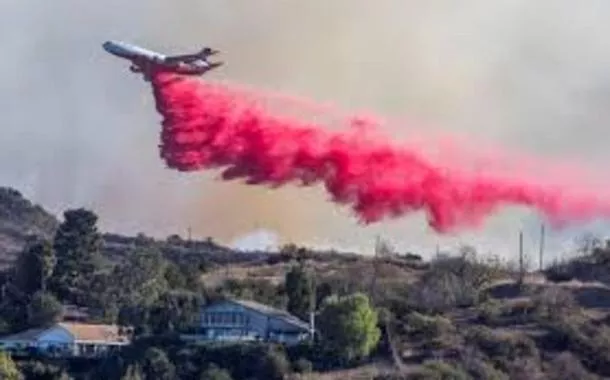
(19, 217)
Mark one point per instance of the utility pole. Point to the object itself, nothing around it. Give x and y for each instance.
(373, 284)
(521, 261)
(541, 263)
(312, 306)
(382, 250)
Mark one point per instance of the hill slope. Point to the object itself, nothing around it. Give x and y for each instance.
(19, 217)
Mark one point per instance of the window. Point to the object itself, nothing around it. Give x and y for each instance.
(231, 318)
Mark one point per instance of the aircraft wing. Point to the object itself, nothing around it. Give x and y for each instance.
(187, 58)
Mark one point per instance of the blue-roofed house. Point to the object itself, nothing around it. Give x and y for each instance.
(242, 320)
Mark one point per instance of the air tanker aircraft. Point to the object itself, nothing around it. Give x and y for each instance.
(146, 61)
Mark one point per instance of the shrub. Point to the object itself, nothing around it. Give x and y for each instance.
(554, 302)
(559, 272)
(490, 312)
(391, 376)
(421, 326)
(475, 363)
(502, 348)
(215, 373)
(566, 366)
(303, 366)
(522, 310)
(590, 342)
(274, 366)
(525, 369)
(452, 282)
(436, 369)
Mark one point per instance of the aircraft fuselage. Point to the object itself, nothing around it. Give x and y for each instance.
(146, 61)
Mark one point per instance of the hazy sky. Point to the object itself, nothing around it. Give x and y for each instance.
(81, 130)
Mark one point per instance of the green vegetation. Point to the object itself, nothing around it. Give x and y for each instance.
(398, 317)
(8, 368)
(349, 326)
(300, 290)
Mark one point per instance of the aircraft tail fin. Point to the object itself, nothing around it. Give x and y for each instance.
(207, 51)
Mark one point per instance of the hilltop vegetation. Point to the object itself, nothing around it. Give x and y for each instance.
(456, 316)
(19, 218)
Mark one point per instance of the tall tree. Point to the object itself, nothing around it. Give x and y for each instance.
(77, 245)
(175, 310)
(35, 266)
(349, 326)
(157, 365)
(44, 309)
(299, 289)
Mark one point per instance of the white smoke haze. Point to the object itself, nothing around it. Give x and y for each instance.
(80, 130)
(258, 240)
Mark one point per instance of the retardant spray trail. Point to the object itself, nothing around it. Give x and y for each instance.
(207, 126)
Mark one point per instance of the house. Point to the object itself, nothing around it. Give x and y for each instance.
(240, 320)
(68, 339)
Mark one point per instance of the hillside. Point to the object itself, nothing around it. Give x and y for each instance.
(19, 218)
(454, 317)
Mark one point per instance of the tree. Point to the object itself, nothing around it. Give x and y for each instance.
(174, 276)
(134, 372)
(112, 366)
(157, 365)
(215, 373)
(273, 365)
(175, 311)
(77, 245)
(137, 286)
(299, 288)
(35, 266)
(8, 368)
(44, 309)
(349, 326)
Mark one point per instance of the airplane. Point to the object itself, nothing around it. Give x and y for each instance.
(146, 61)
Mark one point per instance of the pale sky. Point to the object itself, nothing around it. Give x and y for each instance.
(81, 130)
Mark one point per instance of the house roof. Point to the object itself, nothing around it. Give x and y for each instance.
(81, 332)
(95, 333)
(272, 312)
(27, 335)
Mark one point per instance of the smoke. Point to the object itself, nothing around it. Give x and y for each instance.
(258, 240)
(527, 76)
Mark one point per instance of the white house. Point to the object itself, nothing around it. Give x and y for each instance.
(240, 320)
(68, 339)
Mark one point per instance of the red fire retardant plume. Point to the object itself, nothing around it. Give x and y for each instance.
(207, 126)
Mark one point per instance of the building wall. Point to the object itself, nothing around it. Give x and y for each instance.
(231, 321)
(246, 324)
(58, 341)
